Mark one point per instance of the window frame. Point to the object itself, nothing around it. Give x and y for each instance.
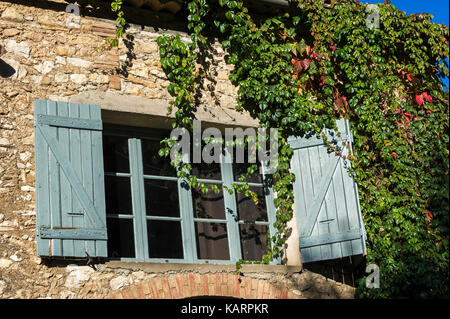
(187, 219)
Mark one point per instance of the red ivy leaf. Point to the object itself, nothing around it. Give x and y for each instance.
(406, 118)
(428, 215)
(394, 155)
(419, 99)
(306, 64)
(408, 77)
(297, 65)
(428, 97)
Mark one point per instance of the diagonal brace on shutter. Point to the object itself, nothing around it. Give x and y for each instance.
(314, 208)
(84, 198)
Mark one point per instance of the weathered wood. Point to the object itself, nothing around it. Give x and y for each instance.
(69, 180)
(326, 199)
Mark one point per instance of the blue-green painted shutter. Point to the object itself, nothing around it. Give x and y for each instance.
(70, 194)
(326, 198)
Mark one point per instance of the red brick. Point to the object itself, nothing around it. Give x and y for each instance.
(260, 291)
(211, 285)
(237, 290)
(140, 291)
(160, 287)
(255, 283)
(242, 292)
(133, 292)
(212, 289)
(146, 289)
(179, 285)
(117, 295)
(248, 287)
(192, 284)
(266, 290)
(278, 293)
(225, 288)
(173, 286)
(205, 285)
(218, 285)
(185, 282)
(152, 285)
(114, 82)
(272, 292)
(166, 288)
(198, 284)
(126, 294)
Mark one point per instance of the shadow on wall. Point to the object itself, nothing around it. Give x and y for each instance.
(102, 9)
(344, 270)
(6, 70)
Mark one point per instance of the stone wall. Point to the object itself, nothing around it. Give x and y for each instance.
(44, 59)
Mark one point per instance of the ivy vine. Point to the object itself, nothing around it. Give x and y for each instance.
(299, 70)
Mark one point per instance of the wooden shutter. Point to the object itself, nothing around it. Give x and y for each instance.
(70, 195)
(326, 198)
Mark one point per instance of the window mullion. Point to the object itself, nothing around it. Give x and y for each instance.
(230, 208)
(187, 218)
(138, 198)
(270, 206)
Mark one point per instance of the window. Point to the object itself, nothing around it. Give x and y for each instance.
(152, 215)
(148, 214)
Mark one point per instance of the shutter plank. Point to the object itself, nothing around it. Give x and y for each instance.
(352, 208)
(65, 191)
(42, 183)
(307, 191)
(98, 176)
(315, 210)
(323, 218)
(86, 164)
(341, 203)
(55, 183)
(330, 219)
(332, 224)
(76, 214)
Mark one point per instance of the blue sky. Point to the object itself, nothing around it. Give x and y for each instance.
(438, 8)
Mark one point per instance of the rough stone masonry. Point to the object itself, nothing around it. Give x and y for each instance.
(44, 59)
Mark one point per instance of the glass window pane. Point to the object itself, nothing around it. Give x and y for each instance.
(152, 162)
(120, 237)
(247, 209)
(164, 239)
(118, 195)
(210, 205)
(212, 241)
(115, 154)
(207, 171)
(161, 198)
(204, 170)
(253, 241)
(240, 168)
